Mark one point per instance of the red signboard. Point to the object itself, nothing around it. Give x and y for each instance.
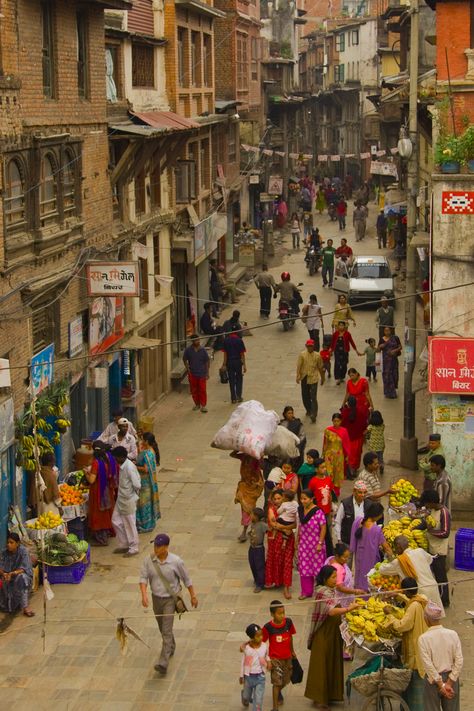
(457, 202)
(451, 365)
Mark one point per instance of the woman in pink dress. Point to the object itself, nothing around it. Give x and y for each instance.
(311, 545)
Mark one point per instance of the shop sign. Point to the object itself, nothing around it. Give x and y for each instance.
(378, 167)
(106, 278)
(41, 375)
(254, 179)
(275, 185)
(451, 365)
(76, 337)
(5, 375)
(105, 323)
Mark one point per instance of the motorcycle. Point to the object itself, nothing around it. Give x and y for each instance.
(313, 260)
(286, 314)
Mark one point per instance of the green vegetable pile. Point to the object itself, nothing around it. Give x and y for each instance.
(60, 549)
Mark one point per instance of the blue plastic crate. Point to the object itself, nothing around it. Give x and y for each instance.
(464, 549)
(68, 574)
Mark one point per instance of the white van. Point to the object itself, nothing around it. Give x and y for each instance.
(365, 279)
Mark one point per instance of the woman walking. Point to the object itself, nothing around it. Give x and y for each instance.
(321, 204)
(281, 548)
(336, 449)
(310, 542)
(354, 419)
(341, 344)
(366, 541)
(391, 349)
(325, 680)
(295, 230)
(249, 488)
(148, 504)
(16, 577)
(294, 425)
(342, 312)
(103, 479)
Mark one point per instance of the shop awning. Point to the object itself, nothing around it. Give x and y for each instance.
(136, 343)
(166, 120)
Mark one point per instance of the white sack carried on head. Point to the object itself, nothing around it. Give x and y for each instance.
(248, 429)
(284, 444)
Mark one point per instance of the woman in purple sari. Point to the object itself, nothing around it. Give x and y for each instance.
(391, 349)
(310, 542)
(366, 540)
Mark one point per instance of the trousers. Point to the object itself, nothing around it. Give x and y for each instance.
(254, 690)
(438, 568)
(314, 335)
(325, 271)
(125, 527)
(309, 395)
(265, 300)
(165, 606)
(236, 379)
(257, 565)
(434, 702)
(307, 585)
(198, 389)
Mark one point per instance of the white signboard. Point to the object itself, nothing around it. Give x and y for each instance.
(76, 337)
(275, 185)
(377, 167)
(112, 278)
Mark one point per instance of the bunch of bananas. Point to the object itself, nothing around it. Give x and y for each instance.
(404, 491)
(406, 526)
(369, 620)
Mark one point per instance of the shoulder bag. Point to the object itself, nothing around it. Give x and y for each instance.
(179, 604)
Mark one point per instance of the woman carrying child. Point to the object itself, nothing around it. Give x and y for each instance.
(310, 542)
(281, 547)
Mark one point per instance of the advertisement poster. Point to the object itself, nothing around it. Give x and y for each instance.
(42, 370)
(76, 337)
(105, 323)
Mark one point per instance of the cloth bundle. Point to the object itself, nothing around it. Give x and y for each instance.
(283, 444)
(249, 429)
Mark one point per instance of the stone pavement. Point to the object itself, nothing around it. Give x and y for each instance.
(81, 666)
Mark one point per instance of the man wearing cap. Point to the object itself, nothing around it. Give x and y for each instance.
(441, 656)
(309, 371)
(164, 572)
(349, 509)
(125, 511)
(424, 462)
(123, 438)
(112, 427)
(196, 360)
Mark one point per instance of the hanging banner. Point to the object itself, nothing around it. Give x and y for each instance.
(335, 159)
(295, 156)
(379, 154)
(364, 156)
(349, 155)
(267, 152)
(41, 373)
(322, 159)
(379, 168)
(105, 323)
(451, 365)
(104, 278)
(307, 156)
(282, 154)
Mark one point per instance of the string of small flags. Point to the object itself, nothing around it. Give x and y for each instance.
(321, 158)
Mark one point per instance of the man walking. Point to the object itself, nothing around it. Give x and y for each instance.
(359, 220)
(164, 572)
(381, 227)
(125, 511)
(196, 360)
(309, 370)
(313, 318)
(234, 363)
(441, 656)
(265, 283)
(385, 316)
(328, 253)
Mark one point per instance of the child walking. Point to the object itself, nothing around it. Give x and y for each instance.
(255, 661)
(370, 353)
(279, 635)
(324, 492)
(375, 434)
(258, 528)
(325, 354)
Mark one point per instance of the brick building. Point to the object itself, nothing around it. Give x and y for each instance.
(55, 197)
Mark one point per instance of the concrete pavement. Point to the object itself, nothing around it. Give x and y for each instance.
(82, 667)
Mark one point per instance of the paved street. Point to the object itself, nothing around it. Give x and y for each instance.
(82, 667)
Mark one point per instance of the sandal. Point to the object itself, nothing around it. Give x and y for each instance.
(28, 613)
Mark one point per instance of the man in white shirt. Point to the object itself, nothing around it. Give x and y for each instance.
(418, 562)
(112, 427)
(441, 656)
(125, 511)
(349, 509)
(123, 438)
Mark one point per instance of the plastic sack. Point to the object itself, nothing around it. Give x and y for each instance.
(283, 444)
(249, 429)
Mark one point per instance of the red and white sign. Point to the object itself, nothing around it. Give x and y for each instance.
(112, 278)
(457, 202)
(451, 365)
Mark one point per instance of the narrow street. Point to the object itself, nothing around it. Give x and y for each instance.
(82, 667)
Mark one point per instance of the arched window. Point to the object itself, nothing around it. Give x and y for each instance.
(69, 182)
(14, 201)
(48, 188)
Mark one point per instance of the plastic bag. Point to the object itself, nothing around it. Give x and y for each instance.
(249, 429)
(283, 444)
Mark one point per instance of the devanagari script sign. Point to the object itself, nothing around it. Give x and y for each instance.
(113, 279)
(451, 365)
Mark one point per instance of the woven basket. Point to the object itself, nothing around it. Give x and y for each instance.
(393, 680)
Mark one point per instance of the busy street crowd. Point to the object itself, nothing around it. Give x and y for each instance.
(300, 530)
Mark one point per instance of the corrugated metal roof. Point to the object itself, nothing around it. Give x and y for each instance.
(140, 18)
(166, 120)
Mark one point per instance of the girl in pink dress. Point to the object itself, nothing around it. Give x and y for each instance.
(311, 545)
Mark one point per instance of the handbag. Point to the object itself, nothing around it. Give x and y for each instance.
(223, 375)
(296, 671)
(179, 604)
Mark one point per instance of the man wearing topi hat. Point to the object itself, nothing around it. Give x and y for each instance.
(309, 371)
(441, 656)
(349, 509)
(164, 572)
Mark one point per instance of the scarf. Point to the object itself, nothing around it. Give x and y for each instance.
(325, 600)
(407, 567)
(343, 435)
(305, 517)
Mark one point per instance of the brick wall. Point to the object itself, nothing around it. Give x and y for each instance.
(452, 32)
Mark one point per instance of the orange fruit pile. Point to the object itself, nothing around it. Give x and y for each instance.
(385, 582)
(70, 496)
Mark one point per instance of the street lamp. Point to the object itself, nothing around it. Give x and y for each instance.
(404, 145)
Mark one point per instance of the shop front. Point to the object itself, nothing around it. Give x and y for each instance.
(10, 487)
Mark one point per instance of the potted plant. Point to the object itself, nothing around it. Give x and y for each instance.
(448, 153)
(467, 148)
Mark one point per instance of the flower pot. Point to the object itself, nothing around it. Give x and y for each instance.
(470, 165)
(451, 166)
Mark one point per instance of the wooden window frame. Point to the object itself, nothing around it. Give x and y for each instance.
(242, 61)
(82, 32)
(51, 216)
(182, 58)
(140, 194)
(48, 50)
(156, 261)
(341, 42)
(144, 291)
(207, 60)
(20, 225)
(139, 80)
(46, 312)
(254, 57)
(188, 166)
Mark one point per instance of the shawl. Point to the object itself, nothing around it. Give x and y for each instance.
(408, 569)
(325, 600)
(343, 435)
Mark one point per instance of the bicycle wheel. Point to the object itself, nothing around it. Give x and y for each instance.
(385, 701)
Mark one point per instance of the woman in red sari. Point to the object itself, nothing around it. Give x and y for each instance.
(280, 548)
(336, 448)
(359, 388)
(355, 419)
(103, 479)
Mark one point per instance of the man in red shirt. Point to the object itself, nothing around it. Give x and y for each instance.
(344, 250)
(279, 635)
